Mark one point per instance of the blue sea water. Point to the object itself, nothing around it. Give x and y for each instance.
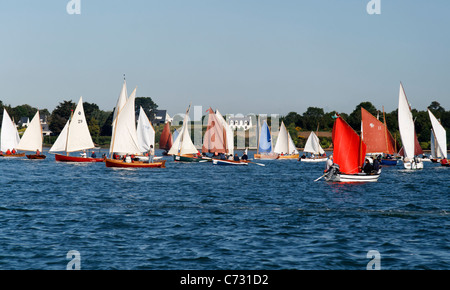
(206, 217)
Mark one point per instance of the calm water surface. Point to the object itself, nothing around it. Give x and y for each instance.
(200, 216)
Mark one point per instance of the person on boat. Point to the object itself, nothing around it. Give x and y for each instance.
(244, 156)
(38, 152)
(367, 167)
(376, 164)
(236, 157)
(151, 154)
(83, 154)
(93, 155)
(329, 163)
(8, 152)
(222, 156)
(303, 156)
(127, 159)
(13, 151)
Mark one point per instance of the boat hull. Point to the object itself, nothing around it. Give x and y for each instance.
(270, 156)
(229, 162)
(293, 156)
(312, 160)
(13, 155)
(360, 177)
(34, 156)
(444, 162)
(190, 158)
(65, 158)
(413, 165)
(134, 164)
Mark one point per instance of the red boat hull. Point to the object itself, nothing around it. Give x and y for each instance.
(444, 162)
(64, 158)
(134, 164)
(36, 156)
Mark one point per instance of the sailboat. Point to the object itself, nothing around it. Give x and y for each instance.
(183, 150)
(349, 153)
(265, 150)
(124, 140)
(32, 139)
(438, 141)
(228, 132)
(408, 133)
(75, 136)
(9, 137)
(285, 147)
(377, 137)
(313, 146)
(165, 141)
(145, 134)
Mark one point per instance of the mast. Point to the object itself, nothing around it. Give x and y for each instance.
(385, 131)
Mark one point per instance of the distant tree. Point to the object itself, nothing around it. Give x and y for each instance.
(106, 128)
(94, 128)
(292, 118)
(60, 115)
(312, 118)
(354, 119)
(148, 105)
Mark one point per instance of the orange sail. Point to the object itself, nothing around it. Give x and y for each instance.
(348, 149)
(215, 138)
(376, 135)
(165, 141)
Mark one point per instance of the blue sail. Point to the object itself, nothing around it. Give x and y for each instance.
(265, 139)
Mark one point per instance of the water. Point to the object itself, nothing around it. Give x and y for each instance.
(205, 217)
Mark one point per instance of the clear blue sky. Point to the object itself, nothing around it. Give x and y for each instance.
(238, 56)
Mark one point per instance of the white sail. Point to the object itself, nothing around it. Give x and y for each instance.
(123, 96)
(406, 124)
(60, 143)
(32, 138)
(313, 145)
(440, 136)
(229, 132)
(292, 147)
(145, 132)
(183, 144)
(9, 136)
(124, 138)
(79, 137)
(282, 145)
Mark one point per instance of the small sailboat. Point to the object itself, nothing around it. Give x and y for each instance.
(438, 141)
(9, 137)
(349, 153)
(285, 147)
(124, 140)
(183, 150)
(165, 140)
(32, 139)
(229, 134)
(408, 133)
(74, 137)
(265, 150)
(377, 138)
(313, 146)
(145, 135)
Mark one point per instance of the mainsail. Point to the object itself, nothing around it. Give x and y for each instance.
(375, 134)
(229, 132)
(165, 141)
(215, 139)
(284, 144)
(183, 144)
(32, 138)
(410, 143)
(348, 148)
(9, 136)
(438, 138)
(313, 145)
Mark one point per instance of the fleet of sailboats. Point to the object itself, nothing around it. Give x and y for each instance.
(132, 141)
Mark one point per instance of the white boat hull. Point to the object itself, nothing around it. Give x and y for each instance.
(413, 165)
(360, 177)
(312, 160)
(229, 162)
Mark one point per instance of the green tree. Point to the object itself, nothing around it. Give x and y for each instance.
(60, 115)
(312, 118)
(148, 105)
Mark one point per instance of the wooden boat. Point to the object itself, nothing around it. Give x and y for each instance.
(36, 156)
(230, 162)
(183, 150)
(285, 147)
(411, 146)
(134, 164)
(377, 137)
(313, 147)
(265, 151)
(444, 162)
(166, 141)
(9, 138)
(32, 138)
(124, 139)
(349, 153)
(438, 140)
(75, 136)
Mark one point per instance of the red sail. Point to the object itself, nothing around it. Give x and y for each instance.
(375, 134)
(215, 136)
(165, 141)
(348, 149)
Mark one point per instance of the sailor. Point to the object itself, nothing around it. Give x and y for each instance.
(93, 154)
(244, 156)
(376, 164)
(367, 167)
(8, 152)
(38, 152)
(329, 163)
(127, 159)
(236, 157)
(151, 153)
(83, 154)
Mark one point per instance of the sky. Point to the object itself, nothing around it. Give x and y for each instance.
(238, 56)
